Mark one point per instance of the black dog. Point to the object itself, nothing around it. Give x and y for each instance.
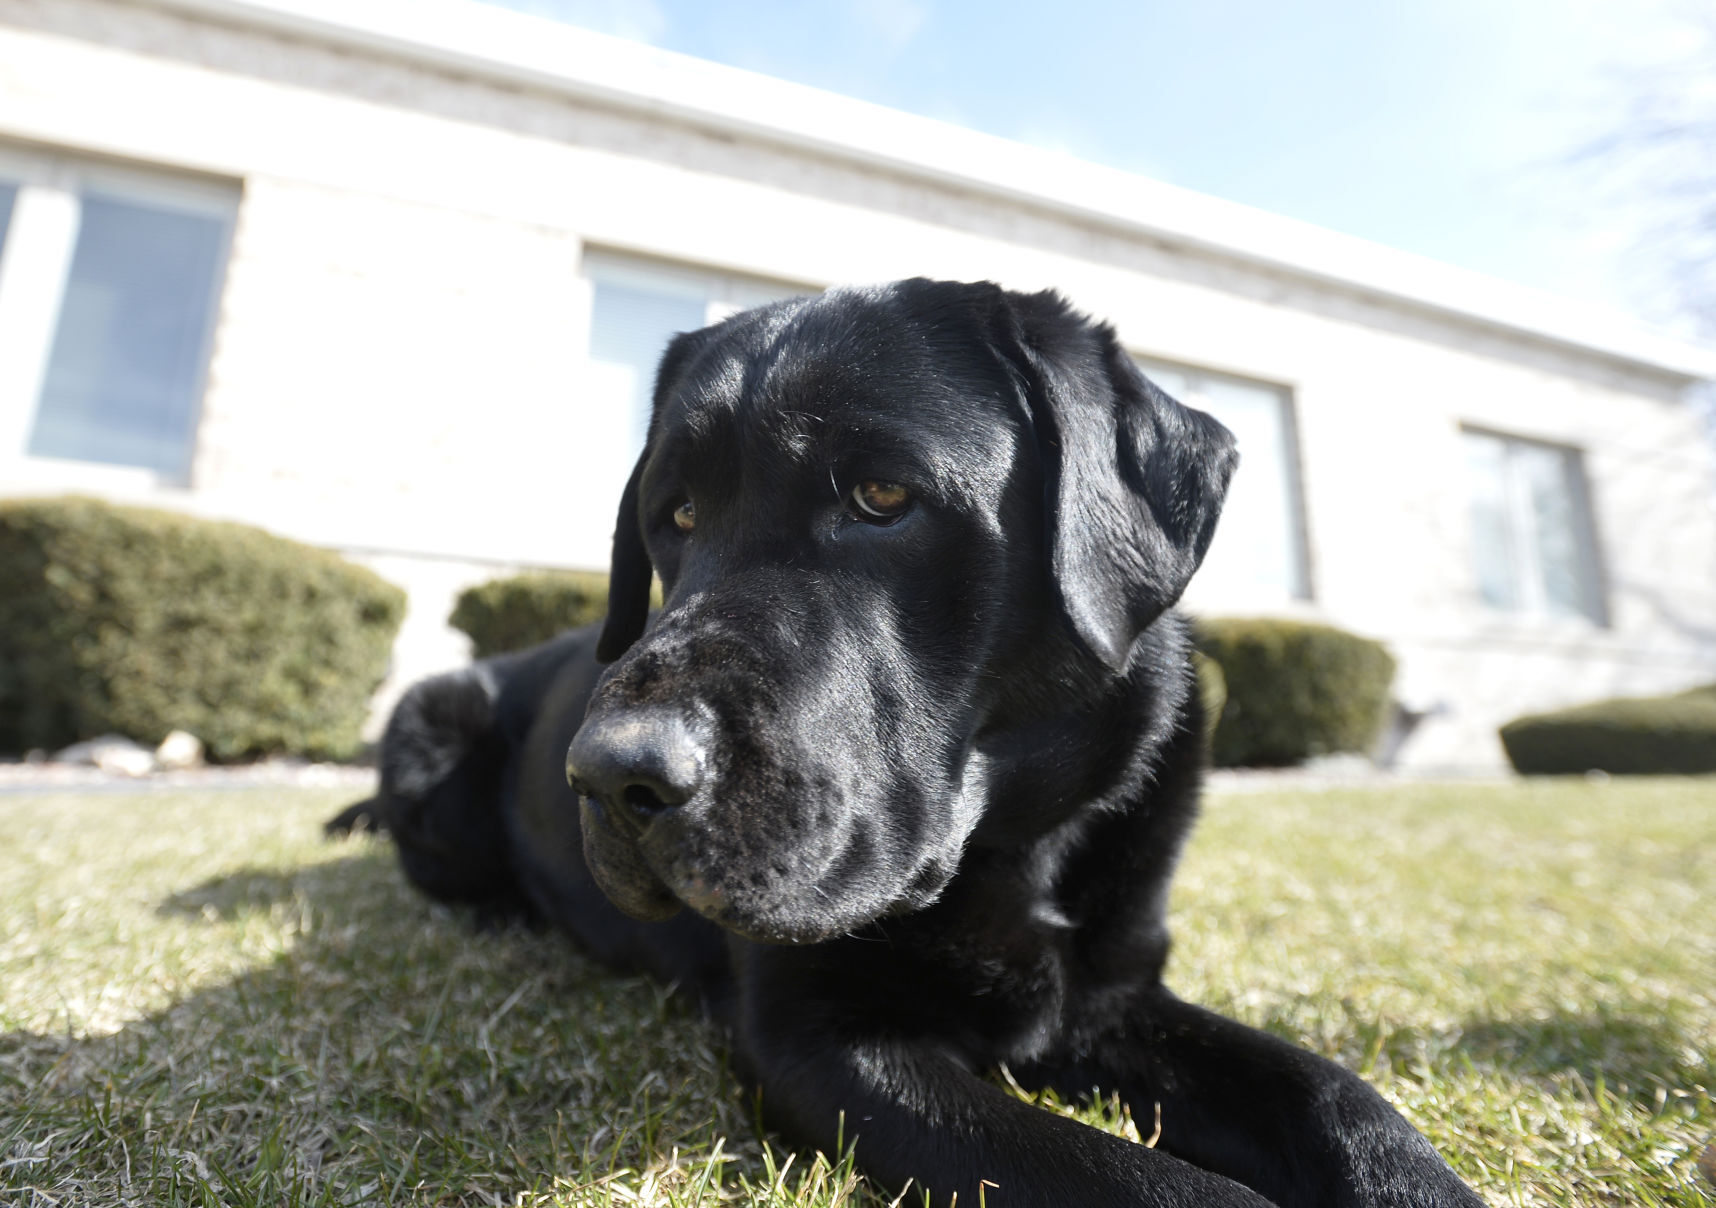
(915, 739)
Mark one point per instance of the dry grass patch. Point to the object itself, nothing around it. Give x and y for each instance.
(202, 1003)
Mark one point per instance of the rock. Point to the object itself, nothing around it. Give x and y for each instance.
(180, 749)
(111, 753)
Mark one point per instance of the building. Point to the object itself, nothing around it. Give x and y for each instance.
(389, 276)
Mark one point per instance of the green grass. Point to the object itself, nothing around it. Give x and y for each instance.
(202, 1003)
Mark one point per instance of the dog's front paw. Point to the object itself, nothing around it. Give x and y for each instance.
(360, 816)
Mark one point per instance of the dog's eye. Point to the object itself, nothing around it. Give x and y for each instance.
(880, 502)
(685, 516)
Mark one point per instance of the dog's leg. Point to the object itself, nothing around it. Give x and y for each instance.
(1298, 1128)
(366, 815)
(912, 1112)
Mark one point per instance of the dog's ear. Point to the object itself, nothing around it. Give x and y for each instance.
(630, 571)
(629, 575)
(1133, 481)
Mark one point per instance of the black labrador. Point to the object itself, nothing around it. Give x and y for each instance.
(915, 739)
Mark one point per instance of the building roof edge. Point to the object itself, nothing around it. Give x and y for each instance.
(489, 42)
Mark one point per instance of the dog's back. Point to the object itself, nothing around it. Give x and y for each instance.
(448, 765)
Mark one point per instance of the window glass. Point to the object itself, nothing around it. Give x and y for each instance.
(1257, 555)
(1492, 546)
(638, 306)
(1550, 488)
(122, 378)
(1175, 381)
(1530, 532)
(1256, 540)
(630, 326)
(8, 194)
(740, 294)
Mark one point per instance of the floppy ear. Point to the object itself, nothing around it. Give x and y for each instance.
(630, 571)
(628, 576)
(1133, 481)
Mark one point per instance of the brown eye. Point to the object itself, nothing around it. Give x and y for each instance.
(880, 501)
(685, 516)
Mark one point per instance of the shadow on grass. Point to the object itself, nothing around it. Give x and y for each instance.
(247, 891)
(378, 1050)
(1631, 1053)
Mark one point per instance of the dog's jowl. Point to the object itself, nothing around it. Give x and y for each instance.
(916, 680)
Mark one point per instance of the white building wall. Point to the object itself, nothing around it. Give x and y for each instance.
(398, 360)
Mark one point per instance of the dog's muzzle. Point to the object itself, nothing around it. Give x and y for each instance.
(641, 764)
(633, 770)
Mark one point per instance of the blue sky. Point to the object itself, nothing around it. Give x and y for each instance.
(1445, 127)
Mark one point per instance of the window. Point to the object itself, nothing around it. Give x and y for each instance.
(108, 286)
(1258, 555)
(1532, 539)
(636, 308)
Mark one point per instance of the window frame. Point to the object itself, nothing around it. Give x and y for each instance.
(47, 209)
(1591, 571)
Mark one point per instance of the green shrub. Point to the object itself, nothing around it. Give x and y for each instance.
(132, 621)
(1294, 690)
(1644, 736)
(522, 610)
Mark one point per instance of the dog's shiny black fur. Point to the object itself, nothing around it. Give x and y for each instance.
(899, 802)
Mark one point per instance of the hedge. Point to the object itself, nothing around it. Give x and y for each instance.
(1641, 736)
(512, 613)
(137, 622)
(1294, 690)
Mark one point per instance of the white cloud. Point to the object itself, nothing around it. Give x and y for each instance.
(636, 20)
(896, 22)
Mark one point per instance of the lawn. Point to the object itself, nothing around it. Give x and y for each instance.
(201, 1002)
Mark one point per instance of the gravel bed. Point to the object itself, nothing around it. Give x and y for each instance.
(32, 777)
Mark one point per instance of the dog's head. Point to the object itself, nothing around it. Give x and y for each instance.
(899, 530)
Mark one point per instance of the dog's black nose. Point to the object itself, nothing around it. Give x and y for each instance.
(642, 762)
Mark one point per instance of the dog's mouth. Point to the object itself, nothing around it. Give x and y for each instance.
(649, 878)
(775, 832)
(619, 867)
(775, 896)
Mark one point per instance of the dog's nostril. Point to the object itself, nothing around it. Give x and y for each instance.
(644, 799)
(642, 762)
